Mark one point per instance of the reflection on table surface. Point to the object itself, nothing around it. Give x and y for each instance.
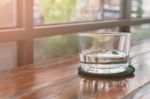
(142, 92)
(102, 88)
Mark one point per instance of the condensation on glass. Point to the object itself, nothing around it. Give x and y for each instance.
(8, 13)
(61, 11)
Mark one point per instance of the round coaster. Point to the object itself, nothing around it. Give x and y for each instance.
(129, 71)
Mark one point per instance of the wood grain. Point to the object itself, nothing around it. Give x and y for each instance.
(142, 92)
(61, 80)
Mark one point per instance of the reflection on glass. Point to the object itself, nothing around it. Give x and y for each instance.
(58, 11)
(8, 13)
(108, 89)
(140, 8)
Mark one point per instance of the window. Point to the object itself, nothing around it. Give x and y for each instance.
(140, 8)
(140, 33)
(8, 55)
(62, 11)
(35, 22)
(8, 13)
(55, 48)
(111, 9)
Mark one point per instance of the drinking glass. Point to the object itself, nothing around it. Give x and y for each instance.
(104, 53)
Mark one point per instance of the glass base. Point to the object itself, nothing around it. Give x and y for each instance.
(104, 68)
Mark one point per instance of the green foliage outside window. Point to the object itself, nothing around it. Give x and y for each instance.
(139, 11)
(58, 10)
(60, 46)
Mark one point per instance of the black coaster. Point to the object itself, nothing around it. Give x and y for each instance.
(129, 71)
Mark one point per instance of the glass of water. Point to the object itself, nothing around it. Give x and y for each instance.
(104, 53)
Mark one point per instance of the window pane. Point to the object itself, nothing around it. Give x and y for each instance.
(58, 47)
(140, 33)
(140, 8)
(60, 11)
(8, 13)
(55, 48)
(8, 55)
(111, 9)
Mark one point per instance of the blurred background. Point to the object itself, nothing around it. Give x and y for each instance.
(52, 12)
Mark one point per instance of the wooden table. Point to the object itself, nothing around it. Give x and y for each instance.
(61, 80)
